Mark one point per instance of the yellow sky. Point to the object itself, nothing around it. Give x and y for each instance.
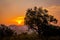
(13, 9)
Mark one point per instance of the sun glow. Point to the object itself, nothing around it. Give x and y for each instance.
(19, 20)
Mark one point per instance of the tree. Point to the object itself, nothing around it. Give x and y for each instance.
(38, 19)
(5, 31)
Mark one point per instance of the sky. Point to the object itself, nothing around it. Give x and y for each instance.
(12, 10)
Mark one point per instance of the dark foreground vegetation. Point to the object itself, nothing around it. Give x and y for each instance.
(8, 34)
(53, 33)
(37, 20)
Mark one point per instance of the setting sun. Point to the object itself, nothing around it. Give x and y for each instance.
(19, 20)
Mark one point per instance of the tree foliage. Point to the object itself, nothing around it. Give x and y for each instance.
(5, 31)
(39, 19)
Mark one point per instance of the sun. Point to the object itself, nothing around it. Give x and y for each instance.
(19, 21)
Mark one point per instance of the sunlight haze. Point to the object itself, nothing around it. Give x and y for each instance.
(13, 9)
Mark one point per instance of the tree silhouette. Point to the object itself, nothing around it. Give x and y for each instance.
(5, 31)
(38, 19)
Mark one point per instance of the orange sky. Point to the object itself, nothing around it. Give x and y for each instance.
(12, 10)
